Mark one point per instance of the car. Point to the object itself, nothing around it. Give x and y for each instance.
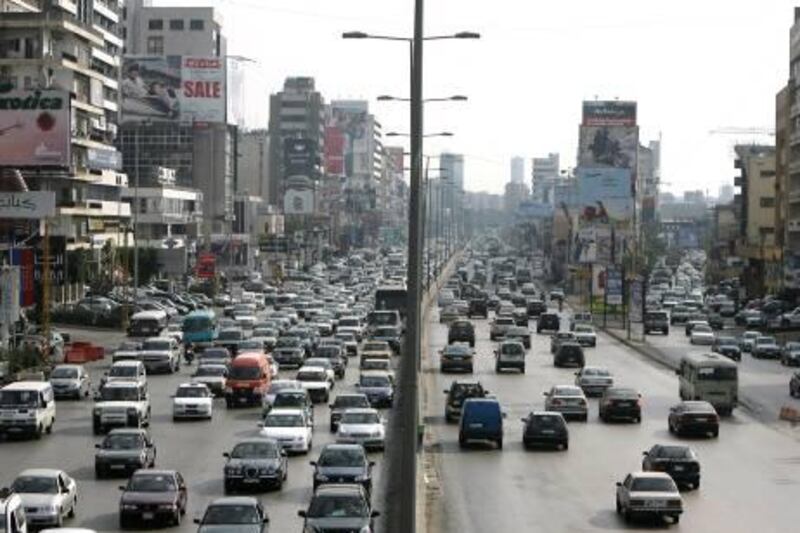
(363, 426)
(545, 428)
(161, 355)
(478, 307)
(293, 398)
(569, 353)
(649, 494)
(656, 320)
(620, 403)
(461, 331)
(498, 327)
(316, 381)
(520, 334)
(520, 316)
(679, 461)
(124, 450)
(535, 307)
(727, 346)
(390, 334)
(70, 381)
(133, 370)
(693, 418)
(456, 357)
(458, 392)
(794, 385)
(382, 365)
(766, 346)
(580, 317)
(378, 387)
(212, 376)
(561, 336)
(568, 400)
(214, 355)
(548, 322)
(679, 314)
(702, 334)
(233, 514)
(790, 354)
(585, 334)
(376, 350)
(791, 319)
(481, 420)
(556, 295)
(343, 402)
(192, 400)
(121, 404)
(153, 497)
(339, 507)
(691, 324)
(594, 380)
(12, 513)
(449, 314)
(748, 340)
(277, 386)
(325, 363)
(255, 463)
(343, 463)
(510, 355)
(48, 496)
(291, 428)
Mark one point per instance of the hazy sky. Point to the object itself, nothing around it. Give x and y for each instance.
(692, 66)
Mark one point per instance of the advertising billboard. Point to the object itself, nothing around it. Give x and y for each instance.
(613, 286)
(206, 265)
(334, 151)
(599, 244)
(34, 128)
(353, 122)
(103, 159)
(30, 204)
(299, 157)
(173, 88)
(298, 202)
(606, 146)
(609, 113)
(605, 195)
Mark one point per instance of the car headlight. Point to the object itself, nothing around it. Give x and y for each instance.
(96, 411)
(167, 506)
(233, 470)
(132, 411)
(362, 477)
(128, 507)
(322, 478)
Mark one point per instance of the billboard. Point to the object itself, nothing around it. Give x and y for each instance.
(24, 259)
(605, 195)
(353, 122)
(30, 204)
(34, 128)
(298, 202)
(613, 286)
(103, 159)
(299, 157)
(334, 151)
(599, 244)
(173, 88)
(206, 265)
(606, 146)
(609, 113)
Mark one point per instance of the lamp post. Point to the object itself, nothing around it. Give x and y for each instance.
(401, 489)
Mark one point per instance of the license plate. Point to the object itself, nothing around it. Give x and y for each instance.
(476, 426)
(148, 516)
(701, 419)
(653, 503)
(117, 467)
(548, 432)
(678, 468)
(251, 480)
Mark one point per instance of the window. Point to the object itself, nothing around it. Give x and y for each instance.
(767, 173)
(176, 24)
(155, 45)
(155, 24)
(197, 24)
(767, 201)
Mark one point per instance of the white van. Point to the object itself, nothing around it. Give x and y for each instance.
(147, 324)
(27, 407)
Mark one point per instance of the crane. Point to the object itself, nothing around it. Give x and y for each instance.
(735, 130)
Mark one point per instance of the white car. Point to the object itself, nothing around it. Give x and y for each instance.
(362, 426)
(702, 334)
(245, 321)
(585, 335)
(213, 376)
(290, 427)
(192, 400)
(323, 363)
(175, 330)
(48, 496)
(649, 494)
(130, 370)
(594, 380)
(316, 380)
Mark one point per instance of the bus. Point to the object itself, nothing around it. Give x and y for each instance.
(392, 298)
(200, 326)
(709, 377)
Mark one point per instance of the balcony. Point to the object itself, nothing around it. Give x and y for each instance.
(793, 225)
(794, 167)
(794, 137)
(737, 181)
(794, 110)
(794, 196)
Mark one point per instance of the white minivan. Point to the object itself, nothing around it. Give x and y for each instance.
(27, 407)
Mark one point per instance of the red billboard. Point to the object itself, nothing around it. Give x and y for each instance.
(334, 150)
(206, 265)
(24, 258)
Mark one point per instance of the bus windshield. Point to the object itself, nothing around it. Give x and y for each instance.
(713, 373)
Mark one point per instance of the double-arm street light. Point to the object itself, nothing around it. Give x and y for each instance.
(427, 135)
(454, 98)
(401, 489)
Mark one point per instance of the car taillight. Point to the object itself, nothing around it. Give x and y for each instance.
(555, 402)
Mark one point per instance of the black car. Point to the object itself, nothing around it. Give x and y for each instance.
(234, 514)
(519, 333)
(338, 508)
(621, 403)
(545, 428)
(461, 331)
(230, 338)
(124, 450)
(693, 418)
(520, 316)
(569, 353)
(493, 302)
(535, 307)
(680, 462)
(343, 463)
(334, 353)
(457, 393)
(456, 357)
(548, 321)
(342, 402)
(390, 334)
(478, 307)
(255, 464)
(153, 496)
(289, 352)
(727, 346)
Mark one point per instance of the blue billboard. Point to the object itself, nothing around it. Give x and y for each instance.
(605, 195)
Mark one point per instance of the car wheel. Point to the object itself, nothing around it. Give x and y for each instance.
(626, 515)
(39, 431)
(638, 419)
(500, 443)
(462, 442)
(176, 519)
(715, 433)
(619, 507)
(123, 524)
(565, 446)
(676, 519)
(71, 513)
(585, 418)
(696, 484)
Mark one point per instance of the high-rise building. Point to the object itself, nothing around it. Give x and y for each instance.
(71, 48)
(725, 194)
(517, 169)
(545, 174)
(791, 193)
(181, 31)
(452, 172)
(253, 172)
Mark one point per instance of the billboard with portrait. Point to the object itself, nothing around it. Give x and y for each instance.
(353, 122)
(605, 195)
(608, 146)
(34, 128)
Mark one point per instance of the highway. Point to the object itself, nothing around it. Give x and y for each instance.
(750, 475)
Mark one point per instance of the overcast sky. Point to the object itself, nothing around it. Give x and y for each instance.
(692, 66)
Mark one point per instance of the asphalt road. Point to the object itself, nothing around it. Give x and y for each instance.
(750, 475)
(193, 448)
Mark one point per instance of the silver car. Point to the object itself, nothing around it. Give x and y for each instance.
(594, 380)
(568, 400)
(70, 381)
(48, 495)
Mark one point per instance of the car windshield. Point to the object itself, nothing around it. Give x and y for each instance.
(288, 342)
(727, 341)
(649, 484)
(255, 450)
(674, 452)
(244, 373)
(567, 391)
(374, 381)
(319, 361)
(230, 335)
(338, 506)
(457, 349)
(348, 457)
(702, 328)
(386, 332)
(596, 372)
(152, 483)
(215, 353)
(231, 514)
(19, 398)
(123, 441)
(35, 485)
(792, 346)
(210, 371)
(765, 340)
(374, 347)
(289, 400)
(350, 401)
(123, 371)
(546, 420)
(197, 324)
(583, 329)
(119, 394)
(717, 373)
(504, 321)
(328, 351)
(375, 364)
(192, 392)
(360, 418)
(157, 345)
(311, 375)
(251, 345)
(64, 372)
(279, 420)
(512, 349)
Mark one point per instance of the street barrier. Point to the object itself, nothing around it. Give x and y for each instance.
(790, 414)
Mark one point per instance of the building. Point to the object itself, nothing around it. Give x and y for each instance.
(183, 31)
(515, 194)
(725, 195)
(73, 48)
(545, 176)
(252, 176)
(649, 176)
(167, 216)
(452, 172)
(517, 170)
(723, 263)
(756, 214)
